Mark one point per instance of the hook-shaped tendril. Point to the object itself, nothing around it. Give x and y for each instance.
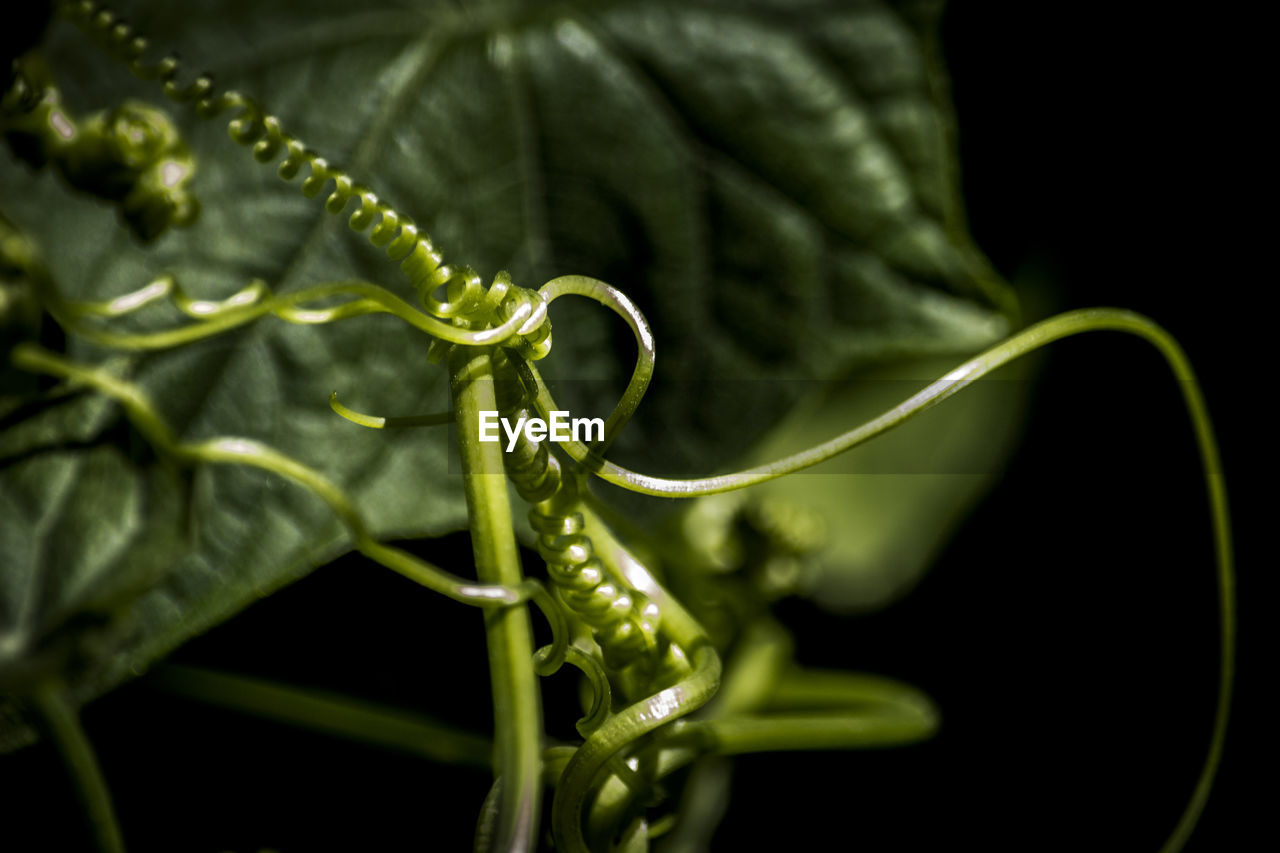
(381, 422)
(601, 693)
(617, 301)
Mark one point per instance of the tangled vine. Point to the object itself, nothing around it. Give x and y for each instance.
(649, 663)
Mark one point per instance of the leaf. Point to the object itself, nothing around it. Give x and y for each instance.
(86, 530)
(771, 181)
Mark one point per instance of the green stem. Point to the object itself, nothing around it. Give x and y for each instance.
(62, 723)
(341, 716)
(516, 700)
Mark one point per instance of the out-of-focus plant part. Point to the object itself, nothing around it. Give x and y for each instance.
(130, 155)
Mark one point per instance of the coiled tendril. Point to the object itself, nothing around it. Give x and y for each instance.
(623, 621)
(446, 291)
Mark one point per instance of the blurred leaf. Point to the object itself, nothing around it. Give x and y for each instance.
(876, 516)
(86, 530)
(771, 181)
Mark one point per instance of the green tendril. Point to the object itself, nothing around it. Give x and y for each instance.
(257, 300)
(548, 659)
(380, 422)
(244, 451)
(621, 730)
(1027, 341)
(617, 301)
(601, 695)
(445, 291)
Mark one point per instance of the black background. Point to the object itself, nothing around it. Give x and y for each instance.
(1069, 632)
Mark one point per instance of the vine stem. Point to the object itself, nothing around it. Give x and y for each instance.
(62, 723)
(328, 713)
(517, 704)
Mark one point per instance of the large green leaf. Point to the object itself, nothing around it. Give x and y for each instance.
(771, 181)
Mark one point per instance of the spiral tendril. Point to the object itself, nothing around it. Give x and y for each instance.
(453, 292)
(624, 621)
